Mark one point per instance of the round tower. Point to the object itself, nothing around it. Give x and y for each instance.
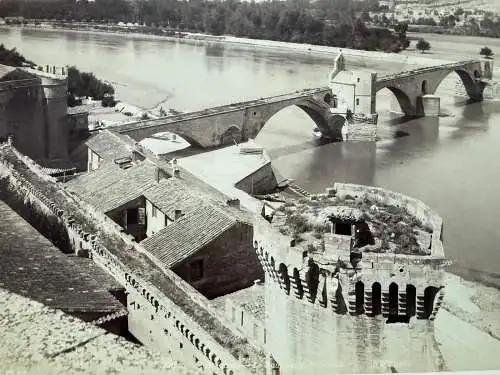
(354, 280)
(55, 87)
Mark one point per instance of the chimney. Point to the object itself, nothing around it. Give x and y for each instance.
(177, 214)
(160, 174)
(175, 170)
(233, 202)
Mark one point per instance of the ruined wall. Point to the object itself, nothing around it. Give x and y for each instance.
(216, 358)
(230, 263)
(308, 340)
(262, 181)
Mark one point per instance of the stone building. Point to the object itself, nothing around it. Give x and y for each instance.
(33, 109)
(354, 280)
(33, 267)
(206, 242)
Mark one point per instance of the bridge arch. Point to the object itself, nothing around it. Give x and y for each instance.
(402, 98)
(317, 109)
(468, 79)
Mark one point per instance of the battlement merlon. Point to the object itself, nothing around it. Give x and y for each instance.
(373, 232)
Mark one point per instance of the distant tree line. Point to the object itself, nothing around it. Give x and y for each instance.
(322, 22)
(80, 84)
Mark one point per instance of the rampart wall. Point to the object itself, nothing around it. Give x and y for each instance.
(323, 319)
(415, 281)
(182, 323)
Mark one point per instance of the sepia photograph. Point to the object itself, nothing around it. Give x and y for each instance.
(249, 187)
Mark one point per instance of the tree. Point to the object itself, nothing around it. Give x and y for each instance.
(423, 45)
(486, 51)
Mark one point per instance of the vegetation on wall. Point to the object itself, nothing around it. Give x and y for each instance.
(322, 22)
(393, 227)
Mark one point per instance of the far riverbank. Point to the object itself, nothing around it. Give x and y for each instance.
(355, 57)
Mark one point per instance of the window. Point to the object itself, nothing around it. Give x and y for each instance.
(357, 101)
(154, 211)
(132, 216)
(196, 271)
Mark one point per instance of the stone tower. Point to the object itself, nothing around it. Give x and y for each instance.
(353, 283)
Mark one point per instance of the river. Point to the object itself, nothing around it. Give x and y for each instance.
(452, 163)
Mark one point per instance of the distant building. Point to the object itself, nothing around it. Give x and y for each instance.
(33, 112)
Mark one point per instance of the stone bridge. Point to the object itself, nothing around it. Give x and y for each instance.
(239, 121)
(409, 87)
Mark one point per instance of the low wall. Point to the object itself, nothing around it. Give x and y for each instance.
(184, 313)
(414, 207)
(262, 181)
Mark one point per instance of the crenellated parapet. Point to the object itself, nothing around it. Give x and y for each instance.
(355, 250)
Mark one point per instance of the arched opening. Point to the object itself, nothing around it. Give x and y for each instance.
(477, 75)
(360, 297)
(461, 82)
(394, 100)
(429, 296)
(231, 136)
(312, 279)
(284, 277)
(298, 283)
(411, 300)
(298, 120)
(376, 299)
(328, 99)
(424, 87)
(393, 299)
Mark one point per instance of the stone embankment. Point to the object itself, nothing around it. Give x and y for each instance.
(39, 340)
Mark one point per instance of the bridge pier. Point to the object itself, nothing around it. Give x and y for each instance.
(429, 106)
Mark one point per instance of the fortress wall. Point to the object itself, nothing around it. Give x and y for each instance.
(309, 340)
(198, 346)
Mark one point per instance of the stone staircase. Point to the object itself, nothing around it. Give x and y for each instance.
(298, 190)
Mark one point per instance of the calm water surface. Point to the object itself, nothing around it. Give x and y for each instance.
(451, 163)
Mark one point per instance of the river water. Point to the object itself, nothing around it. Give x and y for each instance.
(452, 163)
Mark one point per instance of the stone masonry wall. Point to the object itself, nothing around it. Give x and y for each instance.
(308, 340)
(215, 358)
(262, 181)
(222, 274)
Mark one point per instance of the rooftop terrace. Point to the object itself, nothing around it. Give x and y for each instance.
(364, 221)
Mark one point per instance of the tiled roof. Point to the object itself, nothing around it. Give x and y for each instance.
(109, 145)
(31, 266)
(170, 195)
(188, 234)
(110, 186)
